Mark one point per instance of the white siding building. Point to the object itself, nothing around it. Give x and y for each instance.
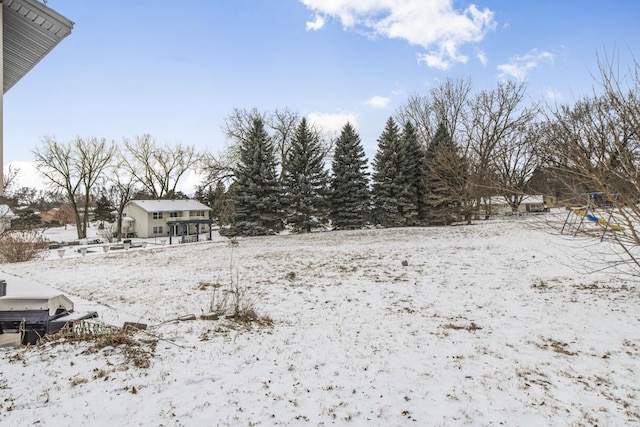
(161, 218)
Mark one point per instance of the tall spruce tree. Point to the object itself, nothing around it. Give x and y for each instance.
(349, 182)
(416, 172)
(306, 181)
(448, 186)
(441, 136)
(392, 200)
(256, 192)
(103, 210)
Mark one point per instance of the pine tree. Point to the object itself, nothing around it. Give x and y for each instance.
(104, 209)
(306, 180)
(221, 206)
(416, 172)
(393, 204)
(349, 182)
(448, 186)
(441, 135)
(256, 193)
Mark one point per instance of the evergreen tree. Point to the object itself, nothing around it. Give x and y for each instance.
(256, 193)
(104, 209)
(441, 135)
(416, 172)
(392, 200)
(448, 185)
(217, 199)
(221, 206)
(350, 182)
(306, 180)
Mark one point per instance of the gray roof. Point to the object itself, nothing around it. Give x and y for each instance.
(30, 31)
(170, 205)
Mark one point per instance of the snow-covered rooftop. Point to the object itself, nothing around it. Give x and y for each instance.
(170, 205)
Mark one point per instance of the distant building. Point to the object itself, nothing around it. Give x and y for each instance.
(185, 219)
(529, 204)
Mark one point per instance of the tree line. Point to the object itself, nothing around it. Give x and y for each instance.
(441, 158)
(420, 175)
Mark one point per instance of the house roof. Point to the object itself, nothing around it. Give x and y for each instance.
(170, 205)
(532, 199)
(30, 31)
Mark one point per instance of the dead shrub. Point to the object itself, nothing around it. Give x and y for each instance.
(98, 337)
(21, 246)
(233, 301)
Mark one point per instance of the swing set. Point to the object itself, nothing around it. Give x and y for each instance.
(578, 217)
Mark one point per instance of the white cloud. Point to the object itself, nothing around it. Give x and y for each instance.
(482, 57)
(520, 65)
(434, 25)
(28, 175)
(316, 24)
(377, 101)
(332, 122)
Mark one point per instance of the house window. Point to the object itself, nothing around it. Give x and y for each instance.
(174, 214)
(157, 215)
(196, 213)
(157, 230)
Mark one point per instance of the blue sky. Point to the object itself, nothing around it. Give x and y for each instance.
(175, 70)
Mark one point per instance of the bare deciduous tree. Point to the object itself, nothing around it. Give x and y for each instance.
(446, 104)
(496, 116)
(158, 168)
(122, 187)
(9, 178)
(64, 214)
(594, 147)
(515, 162)
(75, 168)
(280, 125)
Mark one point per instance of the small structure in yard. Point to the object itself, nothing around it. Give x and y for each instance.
(597, 208)
(25, 319)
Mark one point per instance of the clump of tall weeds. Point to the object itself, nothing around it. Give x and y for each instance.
(21, 246)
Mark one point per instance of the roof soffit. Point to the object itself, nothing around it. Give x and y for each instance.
(30, 31)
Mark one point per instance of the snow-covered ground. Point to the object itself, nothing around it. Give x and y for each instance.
(496, 323)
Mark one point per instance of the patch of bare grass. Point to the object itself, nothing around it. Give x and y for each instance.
(470, 327)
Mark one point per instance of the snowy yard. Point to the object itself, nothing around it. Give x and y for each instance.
(489, 324)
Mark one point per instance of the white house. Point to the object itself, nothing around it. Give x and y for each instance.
(529, 204)
(161, 218)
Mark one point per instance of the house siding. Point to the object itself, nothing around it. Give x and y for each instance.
(144, 221)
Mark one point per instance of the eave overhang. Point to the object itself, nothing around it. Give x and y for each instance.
(30, 31)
